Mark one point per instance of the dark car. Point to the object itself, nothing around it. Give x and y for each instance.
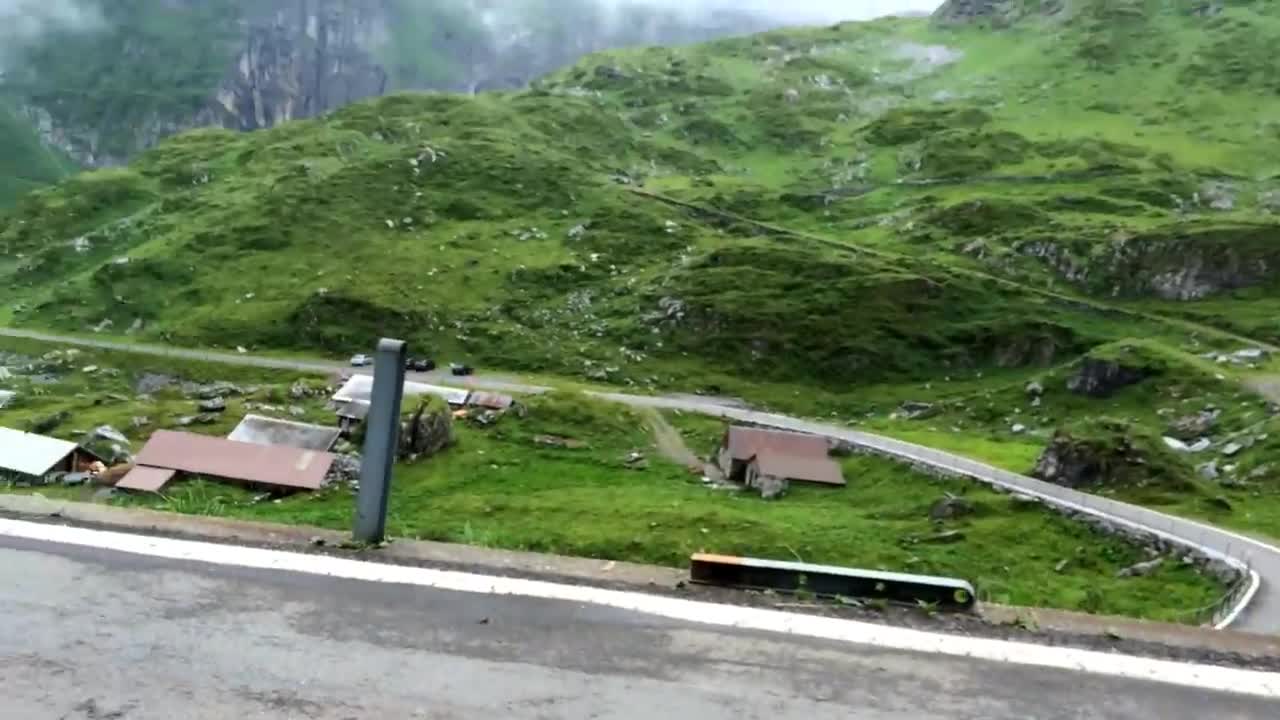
(421, 364)
(461, 369)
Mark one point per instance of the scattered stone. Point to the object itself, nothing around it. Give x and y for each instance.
(1218, 195)
(944, 538)
(299, 390)
(201, 419)
(1062, 565)
(1194, 426)
(212, 390)
(1219, 502)
(1260, 472)
(89, 369)
(771, 488)
(1176, 445)
(560, 442)
(1141, 569)
(1232, 449)
(485, 418)
(1249, 354)
(1269, 201)
(1018, 429)
(1209, 470)
(1018, 499)
(915, 410)
(1035, 389)
(635, 461)
(950, 507)
(1200, 445)
(297, 411)
(151, 383)
(213, 405)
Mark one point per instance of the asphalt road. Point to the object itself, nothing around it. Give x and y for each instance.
(96, 635)
(1262, 615)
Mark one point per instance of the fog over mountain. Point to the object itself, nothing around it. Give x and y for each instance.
(797, 11)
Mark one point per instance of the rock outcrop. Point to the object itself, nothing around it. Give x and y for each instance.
(1101, 378)
(1179, 265)
(998, 12)
(1070, 463)
(1109, 453)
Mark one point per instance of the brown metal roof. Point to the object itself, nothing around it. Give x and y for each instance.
(230, 460)
(146, 479)
(745, 443)
(803, 469)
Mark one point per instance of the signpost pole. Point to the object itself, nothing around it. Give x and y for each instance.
(382, 431)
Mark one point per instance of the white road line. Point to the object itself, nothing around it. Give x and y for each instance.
(1205, 677)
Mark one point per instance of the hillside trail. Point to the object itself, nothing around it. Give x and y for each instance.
(1090, 303)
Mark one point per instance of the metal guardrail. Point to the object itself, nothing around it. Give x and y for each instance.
(830, 581)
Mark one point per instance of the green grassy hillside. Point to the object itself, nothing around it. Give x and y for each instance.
(889, 201)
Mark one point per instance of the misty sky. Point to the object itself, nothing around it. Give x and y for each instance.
(817, 11)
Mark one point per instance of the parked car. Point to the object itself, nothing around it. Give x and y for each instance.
(461, 369)
(361, 360)
(420, 364)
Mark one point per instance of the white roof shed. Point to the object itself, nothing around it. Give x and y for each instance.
(28, 454)
(360, 389)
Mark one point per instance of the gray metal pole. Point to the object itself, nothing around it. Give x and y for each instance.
(382, 433)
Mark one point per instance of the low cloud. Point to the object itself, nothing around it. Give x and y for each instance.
(799, 11)
(22, 21)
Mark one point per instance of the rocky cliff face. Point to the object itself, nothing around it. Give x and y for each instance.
(160, 67)
(301, 58)
(164, 66)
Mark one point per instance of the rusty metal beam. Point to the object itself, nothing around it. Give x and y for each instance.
(830, 581)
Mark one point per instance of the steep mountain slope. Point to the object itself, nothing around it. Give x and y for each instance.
(25, 163)
(892, 200)
(151, 68)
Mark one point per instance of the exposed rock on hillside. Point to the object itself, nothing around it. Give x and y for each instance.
(997, 11)
(1188, 265)
(1100, 378)
(1107, 452)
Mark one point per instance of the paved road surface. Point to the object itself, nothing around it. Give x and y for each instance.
(1262, 615)
(88, 634)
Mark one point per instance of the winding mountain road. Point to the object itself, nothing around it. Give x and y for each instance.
(1257, 608)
